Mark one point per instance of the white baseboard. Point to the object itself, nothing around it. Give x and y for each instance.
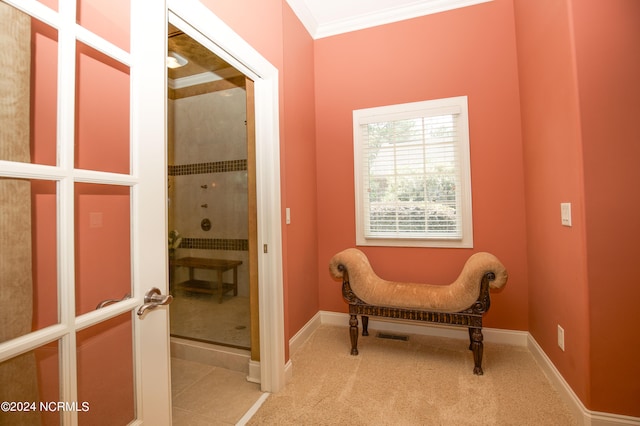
(590, 418)
(303, 334)
(254, 371)
(491, 335)
(288, 371)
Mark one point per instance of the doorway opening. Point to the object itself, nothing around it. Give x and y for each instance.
(267, 363)
(212, 200)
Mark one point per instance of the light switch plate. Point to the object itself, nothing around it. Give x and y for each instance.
(565, 213)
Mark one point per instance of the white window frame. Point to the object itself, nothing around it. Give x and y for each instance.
(430, 108)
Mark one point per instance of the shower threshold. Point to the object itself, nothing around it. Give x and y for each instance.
(224, 356)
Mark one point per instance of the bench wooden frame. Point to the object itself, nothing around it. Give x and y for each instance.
(470, 317)
(218, 265)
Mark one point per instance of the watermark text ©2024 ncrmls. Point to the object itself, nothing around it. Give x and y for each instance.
(46, 406)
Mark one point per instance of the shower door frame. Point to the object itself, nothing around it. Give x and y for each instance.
(201, 24)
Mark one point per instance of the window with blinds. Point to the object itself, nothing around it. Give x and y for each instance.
(412, 174)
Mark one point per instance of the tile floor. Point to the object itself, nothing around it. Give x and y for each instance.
(200, 316)
(207, 395)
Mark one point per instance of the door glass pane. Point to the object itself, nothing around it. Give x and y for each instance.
(102, 112)
(28, 288)
(105, 372)
(108, 19)
(34, 378)
(103, 244)
(28, 90)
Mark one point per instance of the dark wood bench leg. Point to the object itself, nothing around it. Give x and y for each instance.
(353, 333)
(475, 335)
(365, 325)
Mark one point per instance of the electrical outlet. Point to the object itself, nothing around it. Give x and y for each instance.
(561, 337)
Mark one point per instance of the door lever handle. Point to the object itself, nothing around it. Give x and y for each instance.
(152, 299)
(112, 301)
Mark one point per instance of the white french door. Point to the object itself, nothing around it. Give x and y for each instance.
(82, 213)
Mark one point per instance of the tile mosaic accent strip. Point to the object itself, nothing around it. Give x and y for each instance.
(215, 244)
(213, 167)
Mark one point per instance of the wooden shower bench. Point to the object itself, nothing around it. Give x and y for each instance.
(218, 265)
(470, 317)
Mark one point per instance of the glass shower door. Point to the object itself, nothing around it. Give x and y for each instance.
(208, 192)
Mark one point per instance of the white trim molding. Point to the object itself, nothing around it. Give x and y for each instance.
(254, 371)
(201, 24)
(590, 418)
(492, 335)
(202, 78)
(253, 410)
(370, 14)
(307, 330)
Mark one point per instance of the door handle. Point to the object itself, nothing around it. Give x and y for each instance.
(152, 299)
(112, 301)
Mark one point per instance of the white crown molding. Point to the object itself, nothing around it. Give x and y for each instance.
(371, 19)
(305, 15)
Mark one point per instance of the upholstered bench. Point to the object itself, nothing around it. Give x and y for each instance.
(461, 303)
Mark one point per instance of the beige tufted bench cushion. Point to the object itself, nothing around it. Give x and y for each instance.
(459, 295)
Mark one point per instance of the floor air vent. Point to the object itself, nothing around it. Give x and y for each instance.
(392, 336)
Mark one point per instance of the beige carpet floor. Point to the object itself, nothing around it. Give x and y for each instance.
(423, 381)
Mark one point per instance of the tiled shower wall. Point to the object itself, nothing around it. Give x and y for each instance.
(208, 179)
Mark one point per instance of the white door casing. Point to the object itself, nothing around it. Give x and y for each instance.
(202, 25)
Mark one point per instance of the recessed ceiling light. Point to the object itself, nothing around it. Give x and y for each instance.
(175, 61)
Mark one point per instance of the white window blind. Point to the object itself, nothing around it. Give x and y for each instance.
(412, 174)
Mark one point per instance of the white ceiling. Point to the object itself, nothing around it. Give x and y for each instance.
(324, 18)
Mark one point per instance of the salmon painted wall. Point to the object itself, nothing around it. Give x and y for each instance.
(300, 174)
(275, 32)
(258, 22)
(607, 40)
(469, 51)
(558, 292)
(579, 62)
